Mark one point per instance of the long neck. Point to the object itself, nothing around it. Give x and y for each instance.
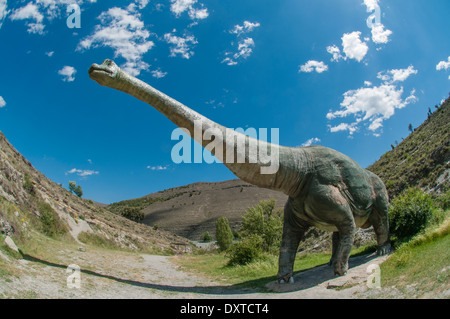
(254, 161)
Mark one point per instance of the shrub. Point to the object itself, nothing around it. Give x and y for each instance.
(51, 224)
(206, 237)
(28, 185)
(224, 236)
(264, 221)
(132, 213)
(443, 201)
(245, 251)
(411, 212)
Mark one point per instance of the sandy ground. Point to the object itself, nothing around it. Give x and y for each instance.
(108, 274)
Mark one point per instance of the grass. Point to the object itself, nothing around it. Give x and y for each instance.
(256, 274)
(422, 266)
(422, 263)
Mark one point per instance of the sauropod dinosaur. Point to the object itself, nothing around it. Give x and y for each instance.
(326, 189)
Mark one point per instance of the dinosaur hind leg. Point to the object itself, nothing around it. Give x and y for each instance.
(347, 231)
(330, 207)
(334, 245)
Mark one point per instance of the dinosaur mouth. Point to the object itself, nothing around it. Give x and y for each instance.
(96, 71)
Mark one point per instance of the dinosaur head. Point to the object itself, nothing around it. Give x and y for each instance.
(104, 74)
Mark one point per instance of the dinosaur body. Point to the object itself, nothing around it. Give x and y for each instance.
(326, 189)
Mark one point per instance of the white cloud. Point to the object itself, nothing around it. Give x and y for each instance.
(245, 45)
(179, 6)
(443, 65)
(311, 141)
(353, 47)
(2, 102)
(335, 52)
(396, 75)
(371, 4)
(68, 73)
(30, 12)
(82, 173)
(124, 32)
(372, 105)
(379, 34)
(351, 128)
(157, 168)
(142, 3)
(245, 49)
(246, 27)
(312, 65)
(181, 45)
(3, 11)
(50, 54)
(36, 12)
(158, 74)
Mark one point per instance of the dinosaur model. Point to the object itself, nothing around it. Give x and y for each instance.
(326, 189)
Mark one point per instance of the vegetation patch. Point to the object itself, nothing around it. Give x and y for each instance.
(421, 266)
(411, 212)
(51, 223)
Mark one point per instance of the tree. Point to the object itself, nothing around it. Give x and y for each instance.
(206, 237)
(75, 189)
(264, 221)
(410, 127)
(224, 236)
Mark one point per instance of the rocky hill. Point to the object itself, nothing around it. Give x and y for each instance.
(28, 198)
(191, 210)
(421, 159)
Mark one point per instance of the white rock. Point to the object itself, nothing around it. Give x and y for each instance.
(10, 243)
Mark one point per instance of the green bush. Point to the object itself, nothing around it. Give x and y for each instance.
(132, 213)
(263, 220)
(411, 212)
(245, 251)
(224, 236)
(443, 201)
(28, 185)
(51, 224)
(206, 237)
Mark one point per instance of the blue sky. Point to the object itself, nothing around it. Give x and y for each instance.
(350, 75)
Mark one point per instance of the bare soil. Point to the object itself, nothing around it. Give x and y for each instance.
(125, 275)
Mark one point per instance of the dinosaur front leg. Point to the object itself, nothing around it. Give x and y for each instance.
(379, 220)
(292, 234)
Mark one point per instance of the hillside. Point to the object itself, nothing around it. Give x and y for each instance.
(191, 210)
(30, 203)
(421, 159)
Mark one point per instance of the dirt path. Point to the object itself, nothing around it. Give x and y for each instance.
(109, 274)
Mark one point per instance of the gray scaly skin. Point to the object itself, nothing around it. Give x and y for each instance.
(326, 189)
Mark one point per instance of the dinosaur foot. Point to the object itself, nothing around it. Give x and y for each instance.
(384, 249)
(338, 274)
(283, 280)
